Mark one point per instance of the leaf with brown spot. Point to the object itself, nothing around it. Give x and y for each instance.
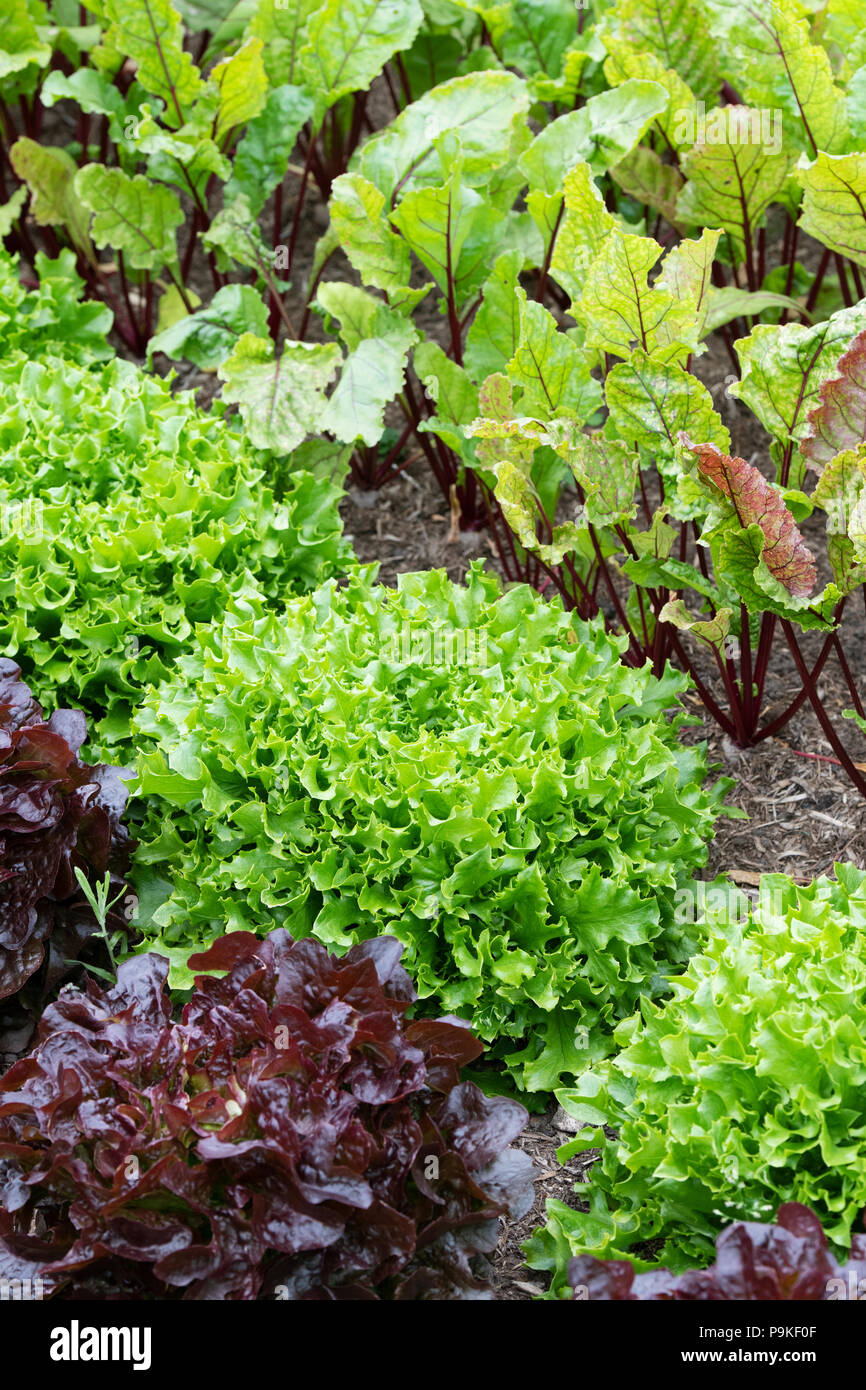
(755, 502)
(711, 631)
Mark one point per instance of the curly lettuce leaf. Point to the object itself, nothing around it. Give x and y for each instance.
(445, 763)
(739, 1094)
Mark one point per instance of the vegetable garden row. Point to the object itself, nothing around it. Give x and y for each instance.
(312, 888)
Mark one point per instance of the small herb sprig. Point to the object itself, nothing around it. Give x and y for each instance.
(101, 907)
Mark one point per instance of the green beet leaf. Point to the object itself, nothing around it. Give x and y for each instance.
(55, 199)
(281, 398)
(779, 67)
(483, 110)
(263, 153)
(784, 366)
(732, 181)
(283, 27)
(151, 33)
(242, 84)
(208, 336)
(379, 255)
(348, 42)
(532, 35)
(834, 203)
(453, 230)
(551, 371)
(676, 34)
(131, 215)
(21, 42)
(378, 339)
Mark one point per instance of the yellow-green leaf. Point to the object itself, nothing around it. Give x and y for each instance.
(242, 86)
(49, 173)
(732, 181)
(151, 33)
(132, 215)
(834, 203)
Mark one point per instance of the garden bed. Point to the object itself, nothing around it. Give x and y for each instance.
(432, 538)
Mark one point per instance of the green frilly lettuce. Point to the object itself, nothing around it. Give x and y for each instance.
(742, 1092)
(520, 819)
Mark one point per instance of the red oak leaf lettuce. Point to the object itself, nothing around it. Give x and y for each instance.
(56, 814)
(292, 1136)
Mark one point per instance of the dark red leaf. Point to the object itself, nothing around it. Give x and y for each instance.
(291, 1129)
(56, 814)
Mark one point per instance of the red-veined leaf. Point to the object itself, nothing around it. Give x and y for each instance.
(756, 502)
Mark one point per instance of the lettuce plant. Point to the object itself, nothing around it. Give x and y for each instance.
(126, 517)
(292, 1136)
(755, 1262)
(743, 1092)
(475, 773)
(51, 317)
(57, 814)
